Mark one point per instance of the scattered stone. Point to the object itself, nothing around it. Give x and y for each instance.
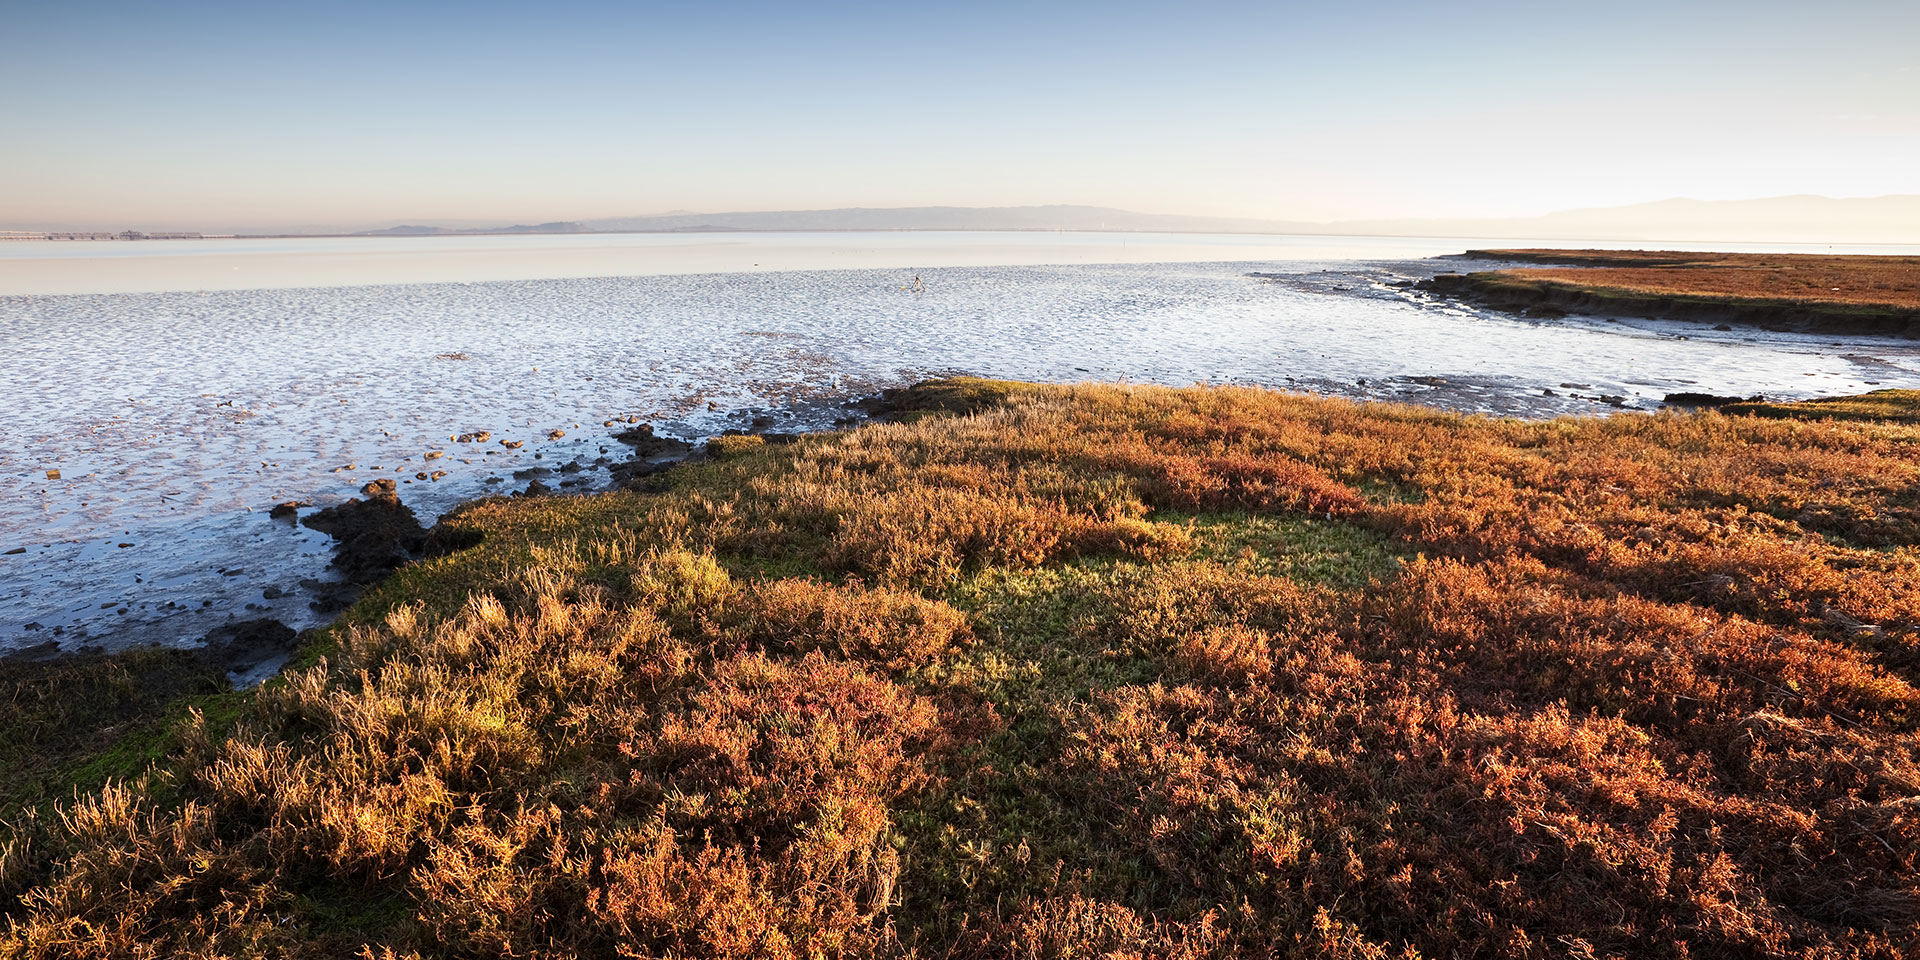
(273, 593)
(478, 436)
(53, 474)
(512, 444)
(434, 454)
(287, 509)
(535, 489)
(15, 550)
(378, 489)
(1723, 327)
(556, 434)
(420, 476)
(437, 474)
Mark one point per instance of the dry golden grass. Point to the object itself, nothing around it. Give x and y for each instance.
(1884, 406)
(1867, 281)
(1087, 672)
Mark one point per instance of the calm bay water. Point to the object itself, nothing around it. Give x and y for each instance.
(177, 406)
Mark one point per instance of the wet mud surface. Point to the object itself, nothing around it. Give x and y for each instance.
(176, 464)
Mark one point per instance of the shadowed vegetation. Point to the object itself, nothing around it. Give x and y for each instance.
(76, 721)
(1083, 672)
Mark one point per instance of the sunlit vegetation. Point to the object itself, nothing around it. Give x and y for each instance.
(1102, 671)
(1890, 406)
(1873, 281)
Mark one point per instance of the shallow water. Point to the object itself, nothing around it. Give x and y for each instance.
(175, 419)
(258, 263)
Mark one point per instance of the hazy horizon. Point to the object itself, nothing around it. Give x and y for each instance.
(227, 114)
(1891, 219)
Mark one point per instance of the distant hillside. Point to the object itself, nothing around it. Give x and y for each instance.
(1800, 219)
(406, 230)
(1051, 217)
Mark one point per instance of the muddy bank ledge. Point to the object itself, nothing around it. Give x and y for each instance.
(1793, 293)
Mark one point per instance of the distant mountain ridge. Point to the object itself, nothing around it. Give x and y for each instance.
(1798, 219)
(1802, 219)
(1055, 217)
(1892, 219)
(1048, 217)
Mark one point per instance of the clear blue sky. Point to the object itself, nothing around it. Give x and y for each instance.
(161, 114)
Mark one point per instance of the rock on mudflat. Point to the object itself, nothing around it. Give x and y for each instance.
(372, 537)
(1706, 400)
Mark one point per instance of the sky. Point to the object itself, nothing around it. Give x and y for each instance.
(186, 114)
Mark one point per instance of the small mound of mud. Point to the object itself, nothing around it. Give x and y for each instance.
(372, 537)
(1688, 399)
(244, 647)
(652, 454)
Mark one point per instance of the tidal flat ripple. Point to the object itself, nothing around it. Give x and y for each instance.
(174, 420)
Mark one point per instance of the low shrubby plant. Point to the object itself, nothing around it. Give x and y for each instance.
(1099, 671)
